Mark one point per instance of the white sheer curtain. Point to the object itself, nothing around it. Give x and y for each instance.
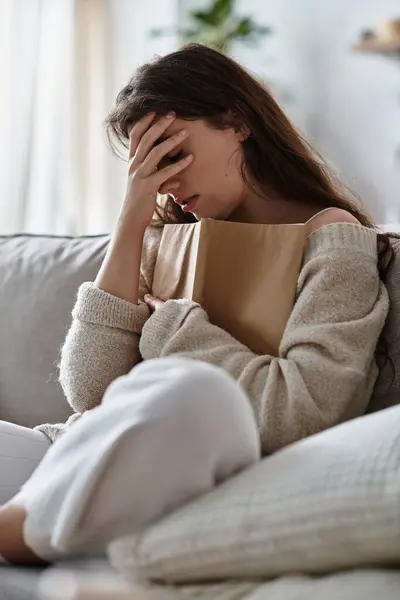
(54, 94)
(92, 99)
(61, 64)
(46, 143)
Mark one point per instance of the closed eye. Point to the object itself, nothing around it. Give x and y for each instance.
(176, 156)
(170, 159)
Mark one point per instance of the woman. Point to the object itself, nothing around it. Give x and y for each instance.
(201, 406)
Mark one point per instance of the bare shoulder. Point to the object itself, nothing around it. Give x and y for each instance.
(330, 216)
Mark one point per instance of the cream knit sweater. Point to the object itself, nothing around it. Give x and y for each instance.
(325, 371)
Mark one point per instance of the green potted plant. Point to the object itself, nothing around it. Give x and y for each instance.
(218, 27)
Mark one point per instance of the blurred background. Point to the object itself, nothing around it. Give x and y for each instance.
(333, 65)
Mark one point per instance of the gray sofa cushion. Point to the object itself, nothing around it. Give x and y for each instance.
(19, 583)
(387, 388)
(39, 278)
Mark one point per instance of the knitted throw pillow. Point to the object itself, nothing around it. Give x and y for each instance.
(329, 502)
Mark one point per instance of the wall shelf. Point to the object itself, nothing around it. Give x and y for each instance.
(377, 47)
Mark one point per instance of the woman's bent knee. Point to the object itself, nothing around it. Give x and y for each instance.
(164, 434)
(200, 406)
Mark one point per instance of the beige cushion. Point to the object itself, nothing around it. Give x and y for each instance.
(329, 502)
(387, 388)
(39, 278)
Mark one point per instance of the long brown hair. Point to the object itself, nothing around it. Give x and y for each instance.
(197, 82)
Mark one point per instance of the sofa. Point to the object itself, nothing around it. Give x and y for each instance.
(343, 541)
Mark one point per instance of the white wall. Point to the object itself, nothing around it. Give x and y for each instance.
(347, 103)
(130, 26)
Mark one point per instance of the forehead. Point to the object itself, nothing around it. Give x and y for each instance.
(192, 126)
(198, 127)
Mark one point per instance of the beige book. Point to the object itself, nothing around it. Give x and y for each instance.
(244, 275)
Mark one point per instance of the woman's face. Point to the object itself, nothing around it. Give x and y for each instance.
(214, 177)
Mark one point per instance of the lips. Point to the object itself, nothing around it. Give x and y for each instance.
(188, 204)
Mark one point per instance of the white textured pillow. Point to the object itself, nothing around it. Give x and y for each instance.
(329, 502)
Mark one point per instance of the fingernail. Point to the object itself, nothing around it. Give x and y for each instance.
(182, 132)
(170, 115)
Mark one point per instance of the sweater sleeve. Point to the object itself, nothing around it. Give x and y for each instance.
(325, 370)
(102, 342)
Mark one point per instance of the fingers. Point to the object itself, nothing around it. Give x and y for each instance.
(153, 303)
(137, 132)
(155, 156)
(163, 175)
(151, 136)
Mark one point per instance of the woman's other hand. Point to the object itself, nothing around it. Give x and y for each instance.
(153, 303)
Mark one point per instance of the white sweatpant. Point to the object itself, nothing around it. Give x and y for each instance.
(165, 433)
(21, 450)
